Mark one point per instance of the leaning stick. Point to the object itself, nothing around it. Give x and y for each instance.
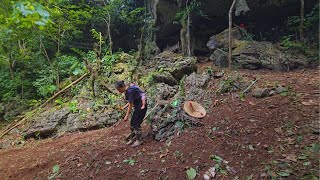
(151, 111)
(44, 104)
(249, 87)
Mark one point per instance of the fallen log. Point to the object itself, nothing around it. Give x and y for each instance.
(44, 104)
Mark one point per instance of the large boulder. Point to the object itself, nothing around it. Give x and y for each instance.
(170, 120)
(194, 86)
(121, 71)
(252, 54)
(176, 64)
(46, 124)
(257, 55)
(165, 77)
(165, 92)
(49, 123)
(184, 67)
(221, 40)
(219, 58)
(77, 122)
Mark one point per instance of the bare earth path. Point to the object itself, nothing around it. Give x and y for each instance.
(258, 137)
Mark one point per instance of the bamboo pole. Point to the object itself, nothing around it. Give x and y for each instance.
(44, 104)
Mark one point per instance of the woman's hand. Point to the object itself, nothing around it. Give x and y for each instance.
(125, 118)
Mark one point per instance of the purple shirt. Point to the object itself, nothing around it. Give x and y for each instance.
(133, 95)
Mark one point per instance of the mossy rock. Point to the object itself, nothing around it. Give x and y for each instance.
(164, 77)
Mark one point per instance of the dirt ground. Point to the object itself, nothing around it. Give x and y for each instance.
(274, 137)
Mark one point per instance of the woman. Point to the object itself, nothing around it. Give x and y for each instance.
(134, 96)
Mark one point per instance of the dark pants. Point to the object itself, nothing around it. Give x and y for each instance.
(136, 121)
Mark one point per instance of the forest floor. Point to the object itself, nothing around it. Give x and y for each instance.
(274, 136)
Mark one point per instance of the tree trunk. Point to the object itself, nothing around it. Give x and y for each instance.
(141, 47)
(301, 28)
(188, 38)
(45, 51)
(109, 32)
(183, 39)
(11, 70)
(11, 66)
(230, 33)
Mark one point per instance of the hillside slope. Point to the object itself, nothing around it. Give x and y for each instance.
(273, 136)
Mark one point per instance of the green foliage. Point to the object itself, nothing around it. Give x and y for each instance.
(181, 87)
(294, 46)
(130, 161)
(311, 23)
(37, 37)
(191, 173)
(73, 106)
(55, 172)
(220, 164)
(29, 14)
(310, 44)
(45, 83)
(194, 8)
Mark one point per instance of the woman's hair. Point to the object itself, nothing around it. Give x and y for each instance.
(120, 84)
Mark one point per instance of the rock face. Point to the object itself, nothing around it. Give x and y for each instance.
(47, 123)
(170, 120)
(165, 77)
(194, 86)
(50, 123)
(173, 67)
(97, 120)
(220, 58)
(165, 92)
(252, 54)
(183, 67)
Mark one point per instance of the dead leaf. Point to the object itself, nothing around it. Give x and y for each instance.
(309, 103)
(212, 171)
(290, 140)
(163, 155)
(290, 157)
(206, 177)
(278, 130)
(252, 103)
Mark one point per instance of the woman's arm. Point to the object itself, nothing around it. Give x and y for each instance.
(128, 111)
(125, 106)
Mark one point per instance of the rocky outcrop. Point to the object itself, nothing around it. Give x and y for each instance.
(251, 54)
(172, 67)
(48, 123)
(165, 77)
(194, 86)
(165, 92)
(217, 12)
(169, 119)
(220, 58)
